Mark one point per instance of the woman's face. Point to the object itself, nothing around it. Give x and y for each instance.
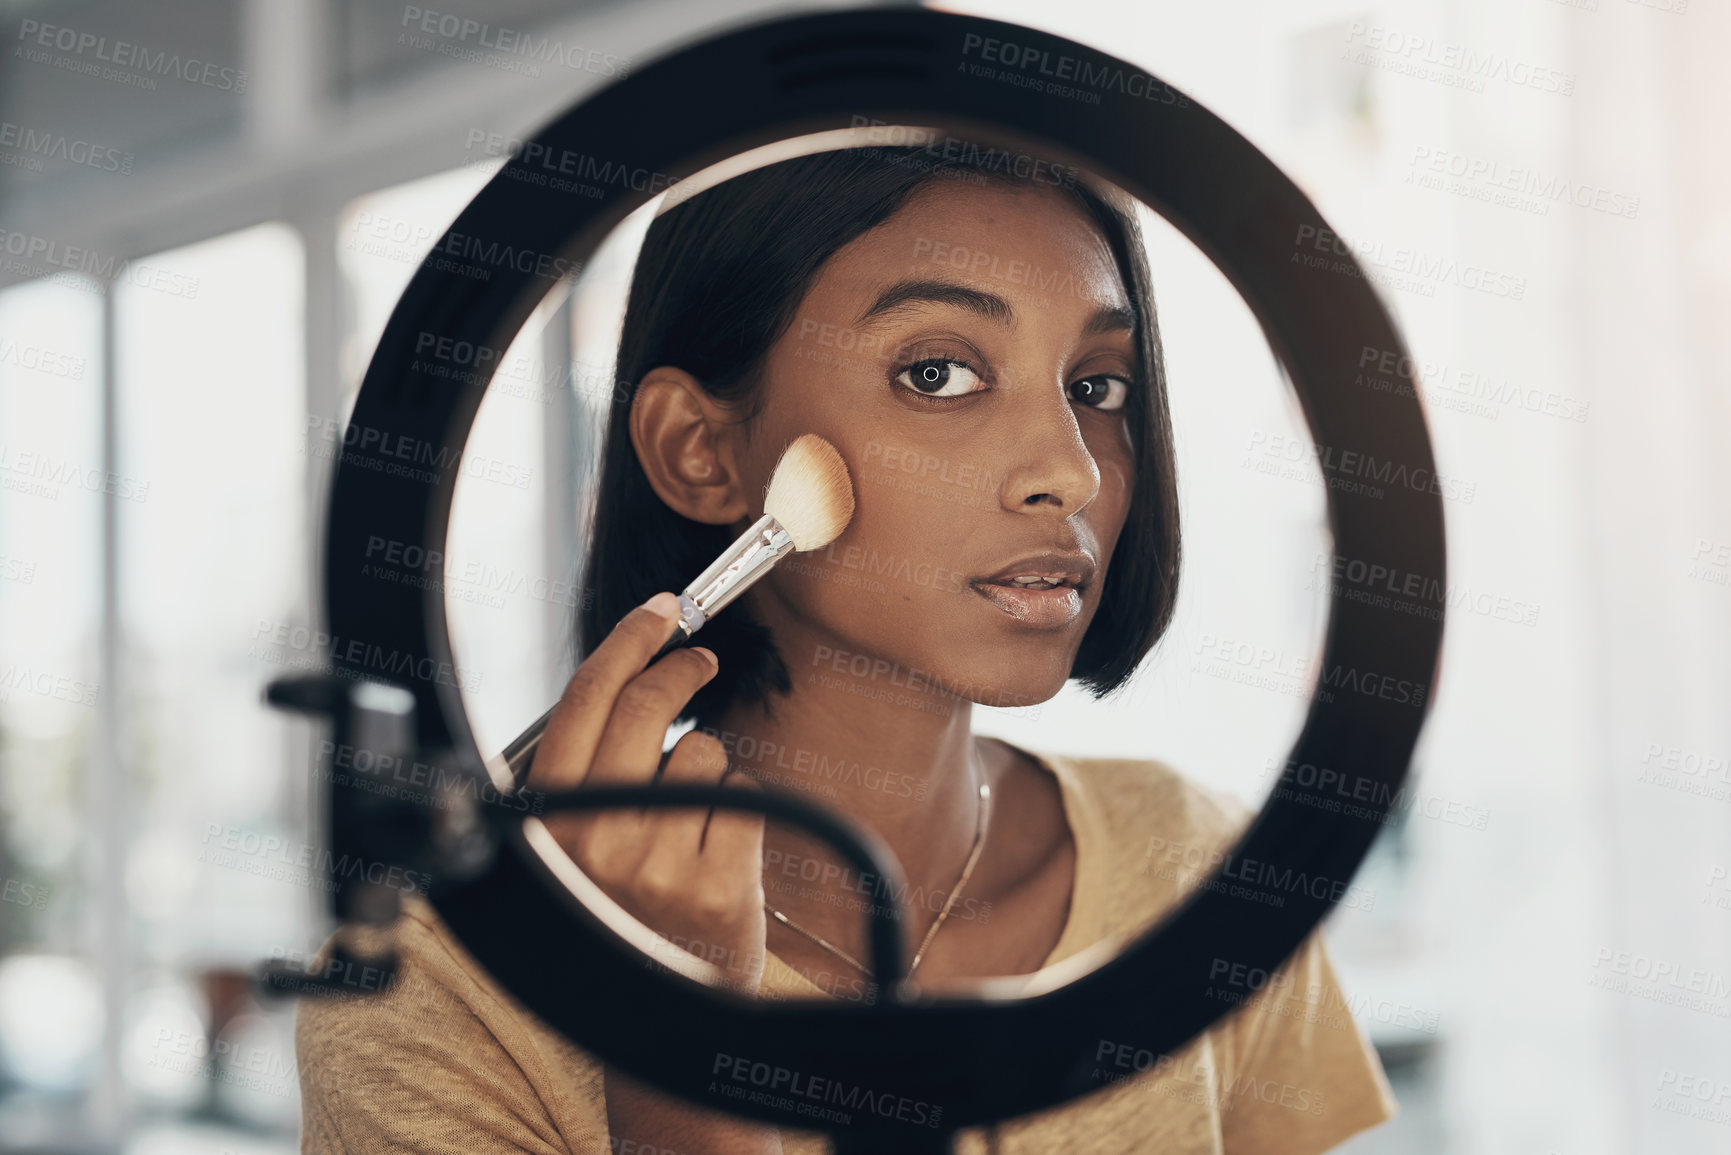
(972, 359)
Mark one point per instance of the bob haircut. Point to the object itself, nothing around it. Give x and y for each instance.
(718, 281)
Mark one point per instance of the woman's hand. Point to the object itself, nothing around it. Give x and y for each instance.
(694, 876)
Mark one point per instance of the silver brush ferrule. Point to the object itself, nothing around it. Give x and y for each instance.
(734, 572)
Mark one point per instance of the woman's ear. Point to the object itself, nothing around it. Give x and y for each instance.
(684, 440)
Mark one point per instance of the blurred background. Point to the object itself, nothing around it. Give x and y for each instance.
(208, 209)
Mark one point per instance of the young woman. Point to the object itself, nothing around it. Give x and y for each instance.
(977, 336)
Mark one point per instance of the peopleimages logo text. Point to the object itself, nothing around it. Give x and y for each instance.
(129, 55)
(828, 1092)
(1106, 75)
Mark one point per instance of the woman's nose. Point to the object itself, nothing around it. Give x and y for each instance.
(1053, 468)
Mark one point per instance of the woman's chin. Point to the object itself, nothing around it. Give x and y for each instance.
(1017, 695)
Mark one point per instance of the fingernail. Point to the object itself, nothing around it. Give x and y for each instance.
(663, 605)
(708, 653)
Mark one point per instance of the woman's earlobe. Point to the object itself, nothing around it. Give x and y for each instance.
(684, 441)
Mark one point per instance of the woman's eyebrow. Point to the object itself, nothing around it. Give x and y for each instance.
(1110, 320)
(898, 296)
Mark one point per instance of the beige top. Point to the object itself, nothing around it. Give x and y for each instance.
(447, 1063)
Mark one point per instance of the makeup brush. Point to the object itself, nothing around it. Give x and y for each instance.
(808, 503)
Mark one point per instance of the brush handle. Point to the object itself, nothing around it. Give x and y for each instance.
(752, 555)
(517, 756)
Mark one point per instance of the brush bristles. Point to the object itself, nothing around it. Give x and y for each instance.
(810, 493)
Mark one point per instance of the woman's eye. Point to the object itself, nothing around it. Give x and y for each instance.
(941, 377)
(1100, 391)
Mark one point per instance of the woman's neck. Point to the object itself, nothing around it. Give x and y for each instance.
(891, 753)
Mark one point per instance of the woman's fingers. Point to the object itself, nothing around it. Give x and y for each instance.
(568, 745)
(608, 729)
(736, 836)
(670, 863)
(614, 846)
(630, 747)
(697, 759)
(716, 881)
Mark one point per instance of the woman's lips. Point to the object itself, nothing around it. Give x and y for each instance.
(1047, 609)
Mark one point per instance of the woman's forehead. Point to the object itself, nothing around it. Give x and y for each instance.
(991, 209)
(1020, 243)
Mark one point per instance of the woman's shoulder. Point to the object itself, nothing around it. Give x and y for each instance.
(365, 1018)
(1144, 833)
(1157, 833)
(1147, 803)
(439, 1032)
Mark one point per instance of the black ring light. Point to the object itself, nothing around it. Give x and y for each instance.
(960, 1061)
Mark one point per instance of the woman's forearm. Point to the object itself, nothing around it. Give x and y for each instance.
(661, 1123)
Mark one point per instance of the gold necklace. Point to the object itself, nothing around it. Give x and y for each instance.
(985, 794)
